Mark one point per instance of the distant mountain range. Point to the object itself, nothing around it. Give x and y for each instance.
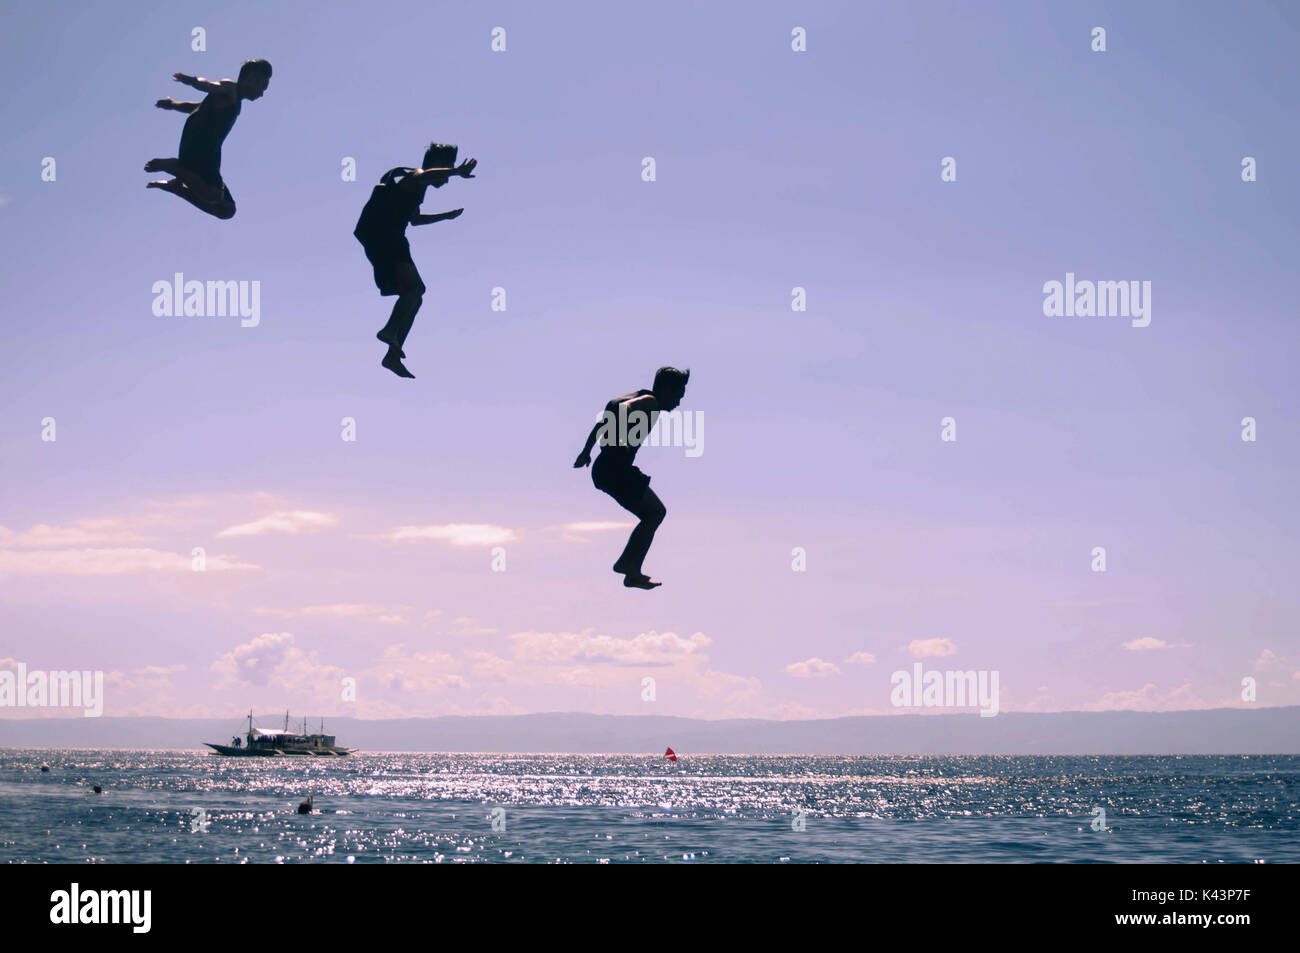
(1212, 731)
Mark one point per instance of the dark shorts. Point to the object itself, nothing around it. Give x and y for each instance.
(210, 173)
(387, 257)
(623, 481)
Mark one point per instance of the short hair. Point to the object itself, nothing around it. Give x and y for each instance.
(439, 156)
(667, 377)
(255, 66)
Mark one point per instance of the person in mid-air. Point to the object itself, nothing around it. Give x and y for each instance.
(395, 203)
(197, 169)
(625, 424)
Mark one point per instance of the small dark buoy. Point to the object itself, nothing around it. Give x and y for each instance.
(97, 789)
(305, 806)
(45, 769)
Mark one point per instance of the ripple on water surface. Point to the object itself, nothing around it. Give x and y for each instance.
(174, 806)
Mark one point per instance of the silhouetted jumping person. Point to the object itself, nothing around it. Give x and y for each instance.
(625, 424)
(197, 169)
(395, 203)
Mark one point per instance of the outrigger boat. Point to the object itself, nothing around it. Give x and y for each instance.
(259, 743)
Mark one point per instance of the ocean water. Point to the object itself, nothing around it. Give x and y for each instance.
(187, 807)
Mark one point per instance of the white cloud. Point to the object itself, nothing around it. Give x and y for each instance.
(688, 678)
(576, 532)
(400, 670)
(488, 665)
(341, 610)
(926, 648)
(292, 522)
(1276, 665)
(455, 534)
(1149, 644)
(1147, 698)
(274, 660)
(159, 671)
(1270, 661)
(464, 625)
(648, 648)
(812, 668)
(143, 691)
(87, 532)
(861, 658)
(110, 562)
(256, 660)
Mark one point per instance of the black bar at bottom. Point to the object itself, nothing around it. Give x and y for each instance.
(332, 902)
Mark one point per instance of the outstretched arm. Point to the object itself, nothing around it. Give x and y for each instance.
(180, 107)
(439, 217)
(423, 177)
(205, 85)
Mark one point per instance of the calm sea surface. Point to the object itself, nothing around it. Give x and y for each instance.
(187, 807)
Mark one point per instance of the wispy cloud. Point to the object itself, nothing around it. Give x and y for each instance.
(1274, 665)
(600, 664)
(596, 526)
(1147, 698)
(812, 668)
(340, 610)
(402, 670)
(647, 648)
(159, 671)
(1149, 644)
(293, 522)
(455, 534)
(467, 625)
(87, 532)
(577, 532)
(111, 562)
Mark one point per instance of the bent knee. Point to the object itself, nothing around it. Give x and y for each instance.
(655, 514)
(224, 212)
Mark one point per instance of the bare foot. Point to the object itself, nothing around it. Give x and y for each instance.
(393, 361)
(167, 185)
(640, 582)
(161, 165)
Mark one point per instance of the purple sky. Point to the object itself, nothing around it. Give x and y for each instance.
(775, 169)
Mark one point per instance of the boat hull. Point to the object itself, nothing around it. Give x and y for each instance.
(229, 751)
